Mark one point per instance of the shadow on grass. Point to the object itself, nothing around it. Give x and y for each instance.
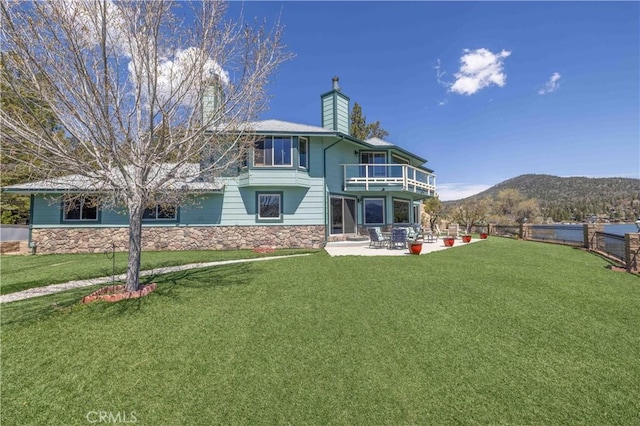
(171, 287)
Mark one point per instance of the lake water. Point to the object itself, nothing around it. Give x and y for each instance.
(620, 229)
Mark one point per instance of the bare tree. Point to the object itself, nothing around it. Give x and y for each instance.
(470, 212)
(150, 95)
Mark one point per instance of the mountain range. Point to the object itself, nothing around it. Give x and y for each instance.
(574, 198)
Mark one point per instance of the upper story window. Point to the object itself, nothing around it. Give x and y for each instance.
(160, 212)
(303, 153)
(83, 208)
(374, 158)
(273, 151)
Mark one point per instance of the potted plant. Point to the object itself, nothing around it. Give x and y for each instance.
(484, 235)
(466, 238)
(415, 246)
(415, 243)
(448, 241)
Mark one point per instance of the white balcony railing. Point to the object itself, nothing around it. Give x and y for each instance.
(401, 177)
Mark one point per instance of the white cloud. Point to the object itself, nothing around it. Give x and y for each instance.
(479, 68)
(457, 191)
(552, 85)
(175, 74)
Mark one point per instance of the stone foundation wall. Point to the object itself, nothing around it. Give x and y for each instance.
(98, 240)
(14, 247)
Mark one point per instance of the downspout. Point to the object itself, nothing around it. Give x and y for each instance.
(326, 205)
(30, 244)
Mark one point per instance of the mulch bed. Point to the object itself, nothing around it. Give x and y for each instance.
(116, 293)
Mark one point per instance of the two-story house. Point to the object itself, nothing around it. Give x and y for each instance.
(301, 186)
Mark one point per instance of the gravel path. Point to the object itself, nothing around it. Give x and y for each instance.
(56, 288)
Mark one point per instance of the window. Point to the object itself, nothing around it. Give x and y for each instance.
(272, 151)
(303, 156)
(160, 212)
(374, 158)
(397, 171)
(400, 211)
(270, 206)
(374, 211)
(83, 208)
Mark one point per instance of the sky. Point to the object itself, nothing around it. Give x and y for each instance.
(485, 91)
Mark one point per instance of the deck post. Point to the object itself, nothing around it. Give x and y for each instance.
(590, 240)
(632, 251)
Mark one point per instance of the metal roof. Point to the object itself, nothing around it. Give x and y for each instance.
(185, 179)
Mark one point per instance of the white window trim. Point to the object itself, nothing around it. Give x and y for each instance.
(274, 194)
(399, 160)
(156, 218)
(81, 201)
(273, 152)
(408, 203)
(306, 142)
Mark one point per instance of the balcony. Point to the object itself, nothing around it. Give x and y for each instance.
(388, 177)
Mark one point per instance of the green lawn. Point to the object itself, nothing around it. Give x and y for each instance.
(497, 332)
(24, 272)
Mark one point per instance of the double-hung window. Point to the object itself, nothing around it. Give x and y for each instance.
(273, 151)
(270, 206)
(81, 209)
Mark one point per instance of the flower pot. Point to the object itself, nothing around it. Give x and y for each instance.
(484, 236)
(415, 248)
(448, 241)
(466, 238)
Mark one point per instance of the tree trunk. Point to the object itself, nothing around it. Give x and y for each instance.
(135, 245)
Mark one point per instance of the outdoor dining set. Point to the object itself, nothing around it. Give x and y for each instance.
(399, 237)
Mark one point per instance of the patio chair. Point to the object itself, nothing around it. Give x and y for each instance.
(376, 238)
(454, 230)
(398, 238)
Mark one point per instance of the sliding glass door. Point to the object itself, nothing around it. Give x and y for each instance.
(343, 215)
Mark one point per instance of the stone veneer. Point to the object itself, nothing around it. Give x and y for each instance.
(98, 240)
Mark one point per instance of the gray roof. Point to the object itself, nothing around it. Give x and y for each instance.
(274, 126)
(378, 142)
(185, 180)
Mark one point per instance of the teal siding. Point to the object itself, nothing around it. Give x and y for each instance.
(342, 114)
(46, 210)
(302, 206)
(202, 210)
(118, 216)
(327, 112)
(337, 155)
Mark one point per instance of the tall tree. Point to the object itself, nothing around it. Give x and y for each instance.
(127, 82)
(361, 129)
(15, 208)
(433, 207)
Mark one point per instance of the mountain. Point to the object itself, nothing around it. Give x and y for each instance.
(575, 198)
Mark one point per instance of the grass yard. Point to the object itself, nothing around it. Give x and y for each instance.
(24, 272)
(497, 332)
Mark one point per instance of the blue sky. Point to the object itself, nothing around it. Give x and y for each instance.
(485, 91)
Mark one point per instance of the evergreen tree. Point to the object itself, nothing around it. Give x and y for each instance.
(359, 127)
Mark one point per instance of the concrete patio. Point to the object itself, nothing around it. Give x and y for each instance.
(362, 248)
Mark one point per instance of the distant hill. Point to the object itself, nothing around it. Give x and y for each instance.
(575, 198)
